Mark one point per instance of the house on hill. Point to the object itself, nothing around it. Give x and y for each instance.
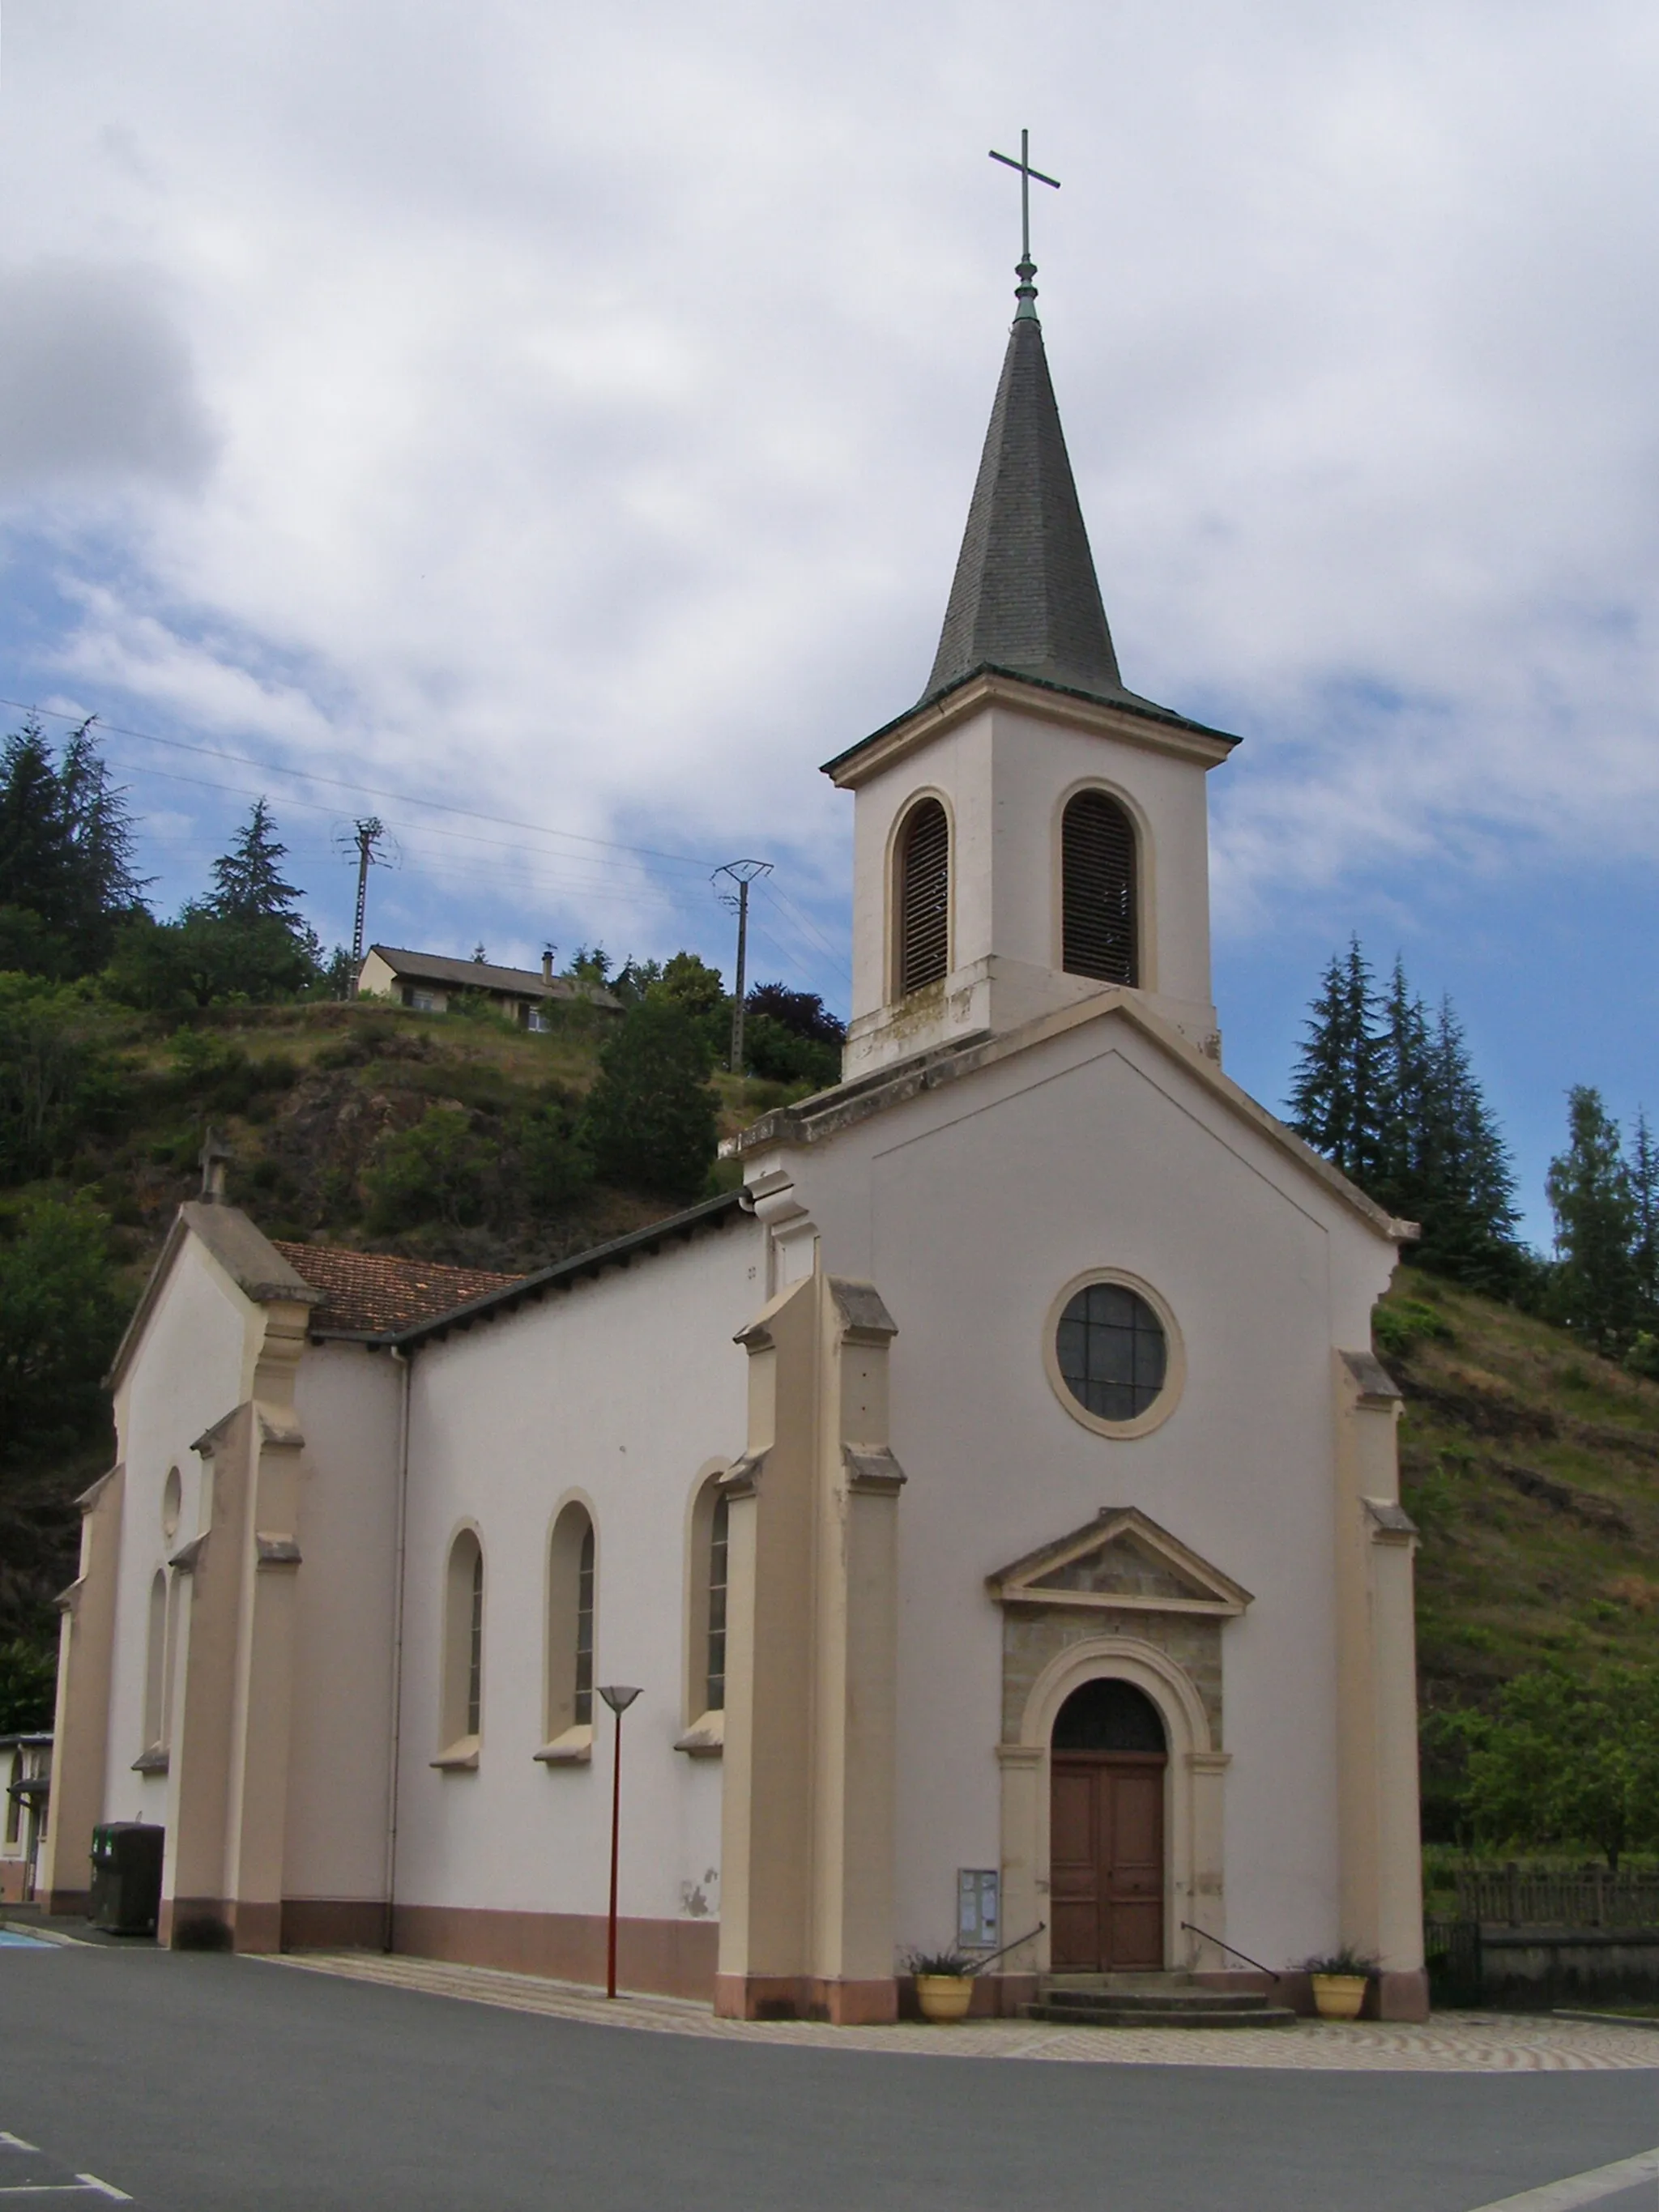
(427, 982)
(993, 1501)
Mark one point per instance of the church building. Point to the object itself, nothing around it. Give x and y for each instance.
(993, 1502)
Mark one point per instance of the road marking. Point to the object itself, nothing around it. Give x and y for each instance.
(1581, 2188)
(8, 2141)
(84, 2184)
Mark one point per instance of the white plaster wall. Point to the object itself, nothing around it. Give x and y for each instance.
(970, 1208)
(347, 1401)
(194, 1366)
(620, 1389)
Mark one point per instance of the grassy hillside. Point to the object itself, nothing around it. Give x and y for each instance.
(304, 1094)
(1532, 1469)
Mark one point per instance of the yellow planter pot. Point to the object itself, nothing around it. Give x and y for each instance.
(943, 1996)
(1338, 1997)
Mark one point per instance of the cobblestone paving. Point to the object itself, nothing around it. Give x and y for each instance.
(1453, 2042)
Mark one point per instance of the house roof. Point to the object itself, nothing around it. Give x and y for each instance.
(373, 1293)
(483, 975)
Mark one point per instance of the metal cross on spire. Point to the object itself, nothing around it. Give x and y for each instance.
(1025, 291)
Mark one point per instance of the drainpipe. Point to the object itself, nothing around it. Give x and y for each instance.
(401, 1551)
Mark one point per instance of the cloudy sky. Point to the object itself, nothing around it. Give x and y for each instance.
(551, 427)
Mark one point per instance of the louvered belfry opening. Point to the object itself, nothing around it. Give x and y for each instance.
(924, 896)
(1098, 863)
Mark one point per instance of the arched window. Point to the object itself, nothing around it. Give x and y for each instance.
(708, 1548)
(155, 1653)
(462, 1654)
(1097, 889)
(570, 1580)
(715, 1695)
(922, 897)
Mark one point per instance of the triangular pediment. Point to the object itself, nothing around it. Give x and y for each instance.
(1121, 1560)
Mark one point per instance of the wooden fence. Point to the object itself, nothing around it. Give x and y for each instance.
(1558, 1897)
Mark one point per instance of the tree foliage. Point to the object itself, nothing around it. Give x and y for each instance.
(60, 1317)
(67, 875)
(59, 1082)
(1385, 1089)
(650, 1120)
(1594, 1287)
(441, 1169)
(1566, 1759)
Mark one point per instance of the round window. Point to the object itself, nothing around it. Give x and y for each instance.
(1112, 1351)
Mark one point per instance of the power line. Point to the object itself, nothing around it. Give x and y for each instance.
(364, 790)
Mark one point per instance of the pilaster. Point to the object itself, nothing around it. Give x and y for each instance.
(86, 1645)
(806, 1924)
(1382, 1890)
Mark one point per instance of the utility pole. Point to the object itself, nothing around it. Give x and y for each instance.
(365, 838)
(742, 873)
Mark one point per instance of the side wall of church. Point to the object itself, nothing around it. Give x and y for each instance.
(348, 1405)
(619, 1393)
(195, 1366)
(970, 1208)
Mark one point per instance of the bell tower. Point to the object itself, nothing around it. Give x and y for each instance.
(1030, 834)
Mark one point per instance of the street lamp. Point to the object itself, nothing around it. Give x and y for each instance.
(619, 1699)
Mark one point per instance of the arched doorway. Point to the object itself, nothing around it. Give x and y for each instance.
(1107, 1762)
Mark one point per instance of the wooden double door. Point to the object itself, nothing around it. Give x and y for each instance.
(1106, 1860)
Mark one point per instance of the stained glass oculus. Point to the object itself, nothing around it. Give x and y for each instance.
(1112, 1351)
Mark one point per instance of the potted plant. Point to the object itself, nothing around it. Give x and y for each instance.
(945, 1984)
(1339, 1982)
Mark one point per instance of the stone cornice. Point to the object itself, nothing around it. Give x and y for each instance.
(1130, 721)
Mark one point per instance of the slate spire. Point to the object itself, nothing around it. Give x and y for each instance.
(1025, 599)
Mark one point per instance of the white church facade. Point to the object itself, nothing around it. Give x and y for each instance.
(994, 1501)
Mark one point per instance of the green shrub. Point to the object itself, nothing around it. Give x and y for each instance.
(553, 1168)
(438, 1170)
(1400, 1322)
(650, 1122)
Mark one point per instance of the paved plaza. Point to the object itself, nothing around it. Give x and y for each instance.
(192, 2083)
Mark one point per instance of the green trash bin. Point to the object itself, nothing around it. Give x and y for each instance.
(126, 1877)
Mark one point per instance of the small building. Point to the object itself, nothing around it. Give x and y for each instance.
(427, 982)
(25, 1778)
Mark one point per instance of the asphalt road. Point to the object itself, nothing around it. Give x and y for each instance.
(197, 2083)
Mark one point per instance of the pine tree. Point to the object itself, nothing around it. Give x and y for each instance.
(1334, 1098)
(650, 1122)
(248, 884)
(66, 854)
(1643, 1170)
(1589, 1185)
(1389, 1094)
(1466, 1182)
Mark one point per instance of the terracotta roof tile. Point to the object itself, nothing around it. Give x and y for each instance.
(376, 1291)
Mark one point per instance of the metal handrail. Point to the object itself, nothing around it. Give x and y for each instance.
(1232, 1948)
(992, 1956)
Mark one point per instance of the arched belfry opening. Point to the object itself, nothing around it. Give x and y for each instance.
(922, 898)
(1098, 890)
(1107, 1763)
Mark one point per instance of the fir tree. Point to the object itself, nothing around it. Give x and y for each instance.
(1595, 1284)
(248, 884)
(1334, 1096)
(1642, 1169)
(650, 1122)
(67, 881)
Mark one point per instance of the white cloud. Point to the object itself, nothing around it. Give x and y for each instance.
(595, 394)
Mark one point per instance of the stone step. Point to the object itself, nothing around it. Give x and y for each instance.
(1179, 2000)
(1106, 2011)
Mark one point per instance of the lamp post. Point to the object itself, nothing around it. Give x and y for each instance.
(619, 1699)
